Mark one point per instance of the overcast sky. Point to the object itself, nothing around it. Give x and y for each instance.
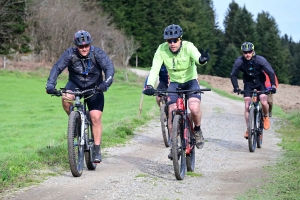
(285, 12)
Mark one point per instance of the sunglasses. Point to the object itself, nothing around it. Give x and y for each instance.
(175, 40)
(83, 46)
(247, 52)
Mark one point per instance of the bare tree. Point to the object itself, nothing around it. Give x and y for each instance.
(53, 24)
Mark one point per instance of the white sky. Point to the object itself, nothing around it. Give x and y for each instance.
(285, 12)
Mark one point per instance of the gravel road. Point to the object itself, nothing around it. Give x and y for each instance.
(141, 169)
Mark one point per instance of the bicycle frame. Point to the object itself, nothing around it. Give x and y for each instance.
(255, 120)
(181, 104)
(80, 107)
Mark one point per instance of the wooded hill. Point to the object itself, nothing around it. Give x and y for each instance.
(126, 28)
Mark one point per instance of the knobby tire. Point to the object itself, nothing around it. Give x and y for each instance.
(260, 130)
(252, 130)
(164, 128)
(190, 158)
(88, 154)
(75, 150)
(178, 153)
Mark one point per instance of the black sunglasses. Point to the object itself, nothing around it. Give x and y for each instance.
(247, 52)
(175, 40)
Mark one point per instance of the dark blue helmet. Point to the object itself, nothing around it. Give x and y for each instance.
(82, 37)
(172, 31)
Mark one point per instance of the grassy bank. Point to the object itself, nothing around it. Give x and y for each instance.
(284, 177)
(34, 126)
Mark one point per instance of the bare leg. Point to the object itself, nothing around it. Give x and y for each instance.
(196, 113)
(66, 102)
(96, 117)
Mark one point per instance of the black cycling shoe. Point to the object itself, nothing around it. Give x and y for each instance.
(97, 154)
(199, 139)
(170, 156)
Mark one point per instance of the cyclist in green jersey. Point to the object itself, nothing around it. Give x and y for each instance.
(180, 57)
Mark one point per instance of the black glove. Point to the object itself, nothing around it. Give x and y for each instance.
(204, 56)
(102, 87)
(273, 89)
(237, 90)
(149, 90)
(50, 89)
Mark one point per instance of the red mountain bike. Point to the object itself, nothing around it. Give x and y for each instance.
(183, 138)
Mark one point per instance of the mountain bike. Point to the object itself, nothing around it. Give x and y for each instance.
(164, 119)
(183, 136)
(80, 133)
(255, 121)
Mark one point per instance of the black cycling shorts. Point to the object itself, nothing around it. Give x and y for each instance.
(162, 85)
(250, 87)
(95, 102)
(190, 85)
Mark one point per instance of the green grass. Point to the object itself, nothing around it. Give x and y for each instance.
(33, 131)
(284, 177)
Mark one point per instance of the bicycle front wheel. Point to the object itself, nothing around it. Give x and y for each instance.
(164, 128)
(190, 157)
(75, 149)
(178, 154)
(260, 129)
(252, 130)
(88, 154)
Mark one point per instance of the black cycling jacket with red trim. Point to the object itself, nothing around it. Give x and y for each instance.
(76, 70)
(252, 71)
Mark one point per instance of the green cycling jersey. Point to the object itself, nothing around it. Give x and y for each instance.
(181, 66)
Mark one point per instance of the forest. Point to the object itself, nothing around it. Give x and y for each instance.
(130, 29)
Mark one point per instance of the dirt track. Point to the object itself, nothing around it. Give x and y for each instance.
(141, 170)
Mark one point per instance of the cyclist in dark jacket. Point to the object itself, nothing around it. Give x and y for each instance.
(85, 65)
(253, 67)
(163, 83)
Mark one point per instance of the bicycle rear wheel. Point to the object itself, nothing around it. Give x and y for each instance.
(75, 149)
(178, 154)
(260, 130)
(252, 130)
(88, 154)
(164, 123)
(190, 158)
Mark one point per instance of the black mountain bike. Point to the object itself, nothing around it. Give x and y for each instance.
(80, 133)
(183, 136)
(255, 121)
(164, 119)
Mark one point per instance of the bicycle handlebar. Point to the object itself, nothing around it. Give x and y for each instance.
(164, 92)
(255, 91)
(77, 92)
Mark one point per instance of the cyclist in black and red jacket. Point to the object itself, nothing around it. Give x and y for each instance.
(253, 67)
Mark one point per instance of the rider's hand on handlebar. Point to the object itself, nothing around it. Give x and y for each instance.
(102, 87)
(273, 89)
(50, 89)
(237, 90)
(149, 90)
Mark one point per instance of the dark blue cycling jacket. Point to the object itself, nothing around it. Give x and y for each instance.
(163, 76)
(252, 71)
(83, 71)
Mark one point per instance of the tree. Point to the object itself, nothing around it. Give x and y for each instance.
(270, 46)
(12, 26)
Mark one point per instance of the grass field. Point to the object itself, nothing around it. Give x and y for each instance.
(34, 126)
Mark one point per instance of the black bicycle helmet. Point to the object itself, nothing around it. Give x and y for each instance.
(247, 46)
(172, 31)
(82, 37)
